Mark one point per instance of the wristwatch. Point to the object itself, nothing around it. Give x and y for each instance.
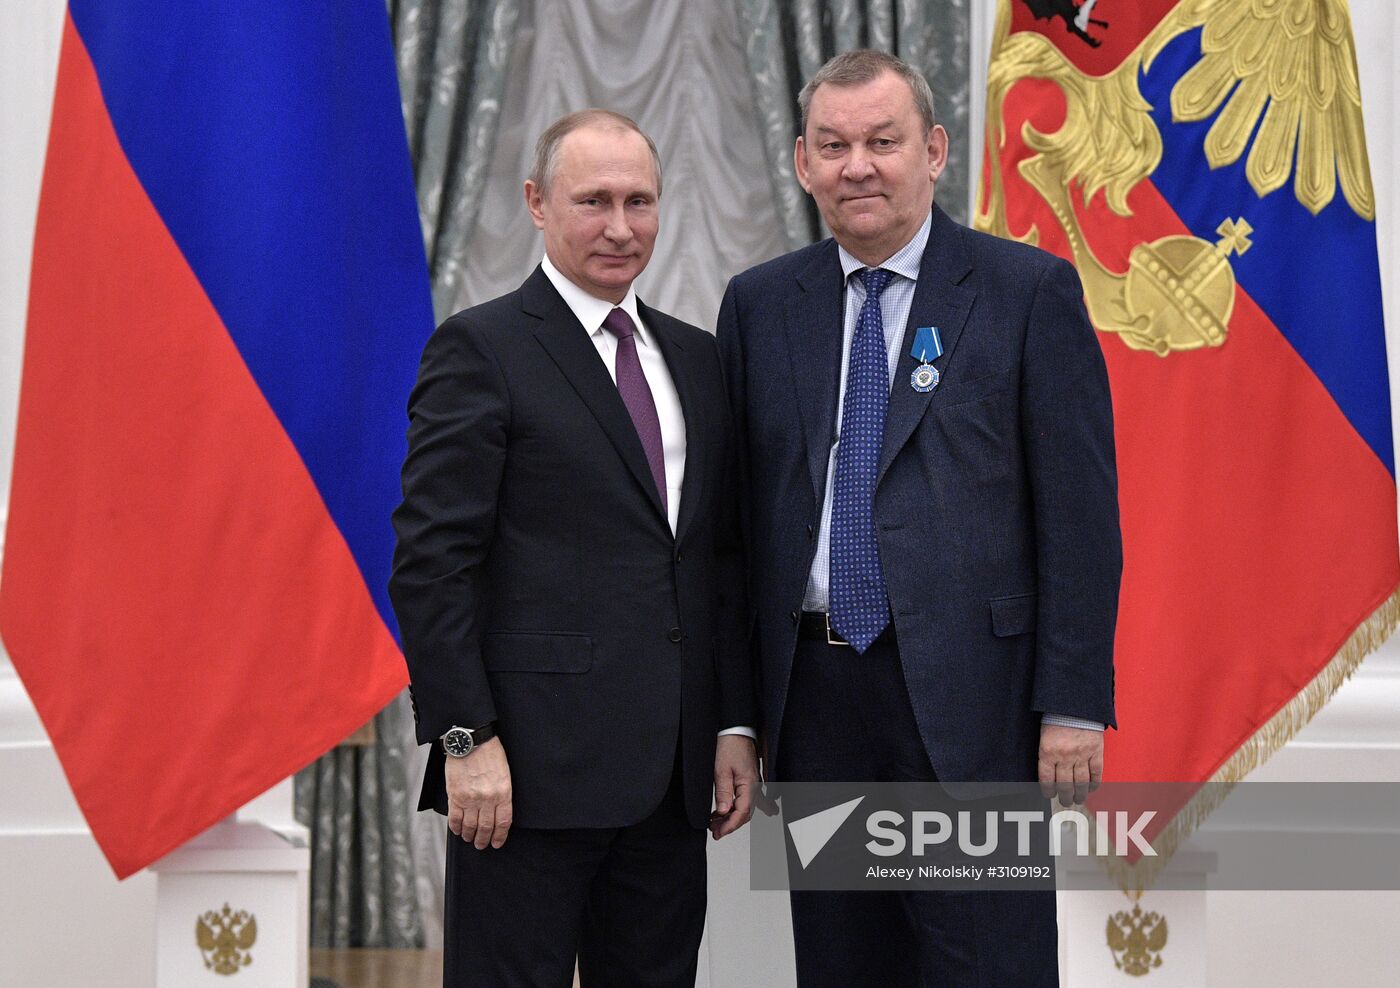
(459, 742)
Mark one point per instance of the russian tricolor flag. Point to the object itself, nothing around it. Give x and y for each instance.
(228, 299)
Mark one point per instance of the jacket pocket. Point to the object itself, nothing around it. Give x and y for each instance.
(530, 651)
(1013, 615)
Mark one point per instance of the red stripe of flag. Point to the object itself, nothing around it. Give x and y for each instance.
(184, 613)
(1225, 614)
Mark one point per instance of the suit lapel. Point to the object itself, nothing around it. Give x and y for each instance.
(814, 320)
(939, 300)
(691, 408)
(568, 345)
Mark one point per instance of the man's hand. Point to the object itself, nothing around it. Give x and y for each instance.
(762, 802)
(1071, 762)
(736, 782)
(479, 795)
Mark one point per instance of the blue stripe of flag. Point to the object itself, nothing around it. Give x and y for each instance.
(269, 138)
(1316, 277)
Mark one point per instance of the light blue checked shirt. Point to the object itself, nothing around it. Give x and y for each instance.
(895, 303)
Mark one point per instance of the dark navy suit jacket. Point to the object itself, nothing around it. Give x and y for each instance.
(996, 499)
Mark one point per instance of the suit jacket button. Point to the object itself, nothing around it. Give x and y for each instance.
(810, 531)
(675, 634)
(794, 616)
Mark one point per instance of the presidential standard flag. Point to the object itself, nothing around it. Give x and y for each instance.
(228, 297)
(1203, 165)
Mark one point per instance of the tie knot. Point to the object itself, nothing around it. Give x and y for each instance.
(619, 323)
(875, 280)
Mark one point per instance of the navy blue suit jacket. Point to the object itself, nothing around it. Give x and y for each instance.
(996, 499)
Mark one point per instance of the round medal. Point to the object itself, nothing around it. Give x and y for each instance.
(925, 378)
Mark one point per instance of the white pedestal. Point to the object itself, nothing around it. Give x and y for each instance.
(233, 901)
(66, 920)
(1088, 960)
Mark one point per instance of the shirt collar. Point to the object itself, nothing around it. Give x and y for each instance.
(904, 262)
(591, 311)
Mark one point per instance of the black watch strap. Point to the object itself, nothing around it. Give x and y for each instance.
(459, 742)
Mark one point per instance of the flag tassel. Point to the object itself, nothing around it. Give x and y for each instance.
(1370, 635)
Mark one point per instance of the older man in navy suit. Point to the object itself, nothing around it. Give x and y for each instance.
(934, 552)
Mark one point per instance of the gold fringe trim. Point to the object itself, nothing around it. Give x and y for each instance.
(1135, 879)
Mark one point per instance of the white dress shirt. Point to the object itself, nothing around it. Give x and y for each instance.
(590, 312)
(895, 303)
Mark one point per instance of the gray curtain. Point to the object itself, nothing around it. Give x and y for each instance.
(678, 69)
(788, 40)
(363, 879)
(372, 863)
(453, 57)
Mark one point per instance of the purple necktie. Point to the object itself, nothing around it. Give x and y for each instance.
(632, 385)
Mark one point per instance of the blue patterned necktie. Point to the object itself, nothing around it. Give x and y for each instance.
(859, 604)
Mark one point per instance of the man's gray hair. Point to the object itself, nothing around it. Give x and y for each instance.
(547, 147)
(855, 68)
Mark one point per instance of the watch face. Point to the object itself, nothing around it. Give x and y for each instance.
(457, 741)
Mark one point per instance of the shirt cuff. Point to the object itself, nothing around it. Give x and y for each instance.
(1059, 720)
(747, 732)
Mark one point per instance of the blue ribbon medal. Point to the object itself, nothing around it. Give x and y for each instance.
(927, 348)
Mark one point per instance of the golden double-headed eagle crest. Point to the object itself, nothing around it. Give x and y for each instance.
(226, 939)
(1136, 939)
(1282, 76)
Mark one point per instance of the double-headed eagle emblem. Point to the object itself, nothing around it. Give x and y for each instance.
(1280, 78)
(1136, 940)
(225, 939)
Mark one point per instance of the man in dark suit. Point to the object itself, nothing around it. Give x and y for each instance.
(568, 584)
(932, 519)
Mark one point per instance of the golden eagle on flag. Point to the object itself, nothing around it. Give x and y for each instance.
(1203, 164)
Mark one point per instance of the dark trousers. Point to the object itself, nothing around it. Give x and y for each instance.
(627, 902)
(848, 719)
